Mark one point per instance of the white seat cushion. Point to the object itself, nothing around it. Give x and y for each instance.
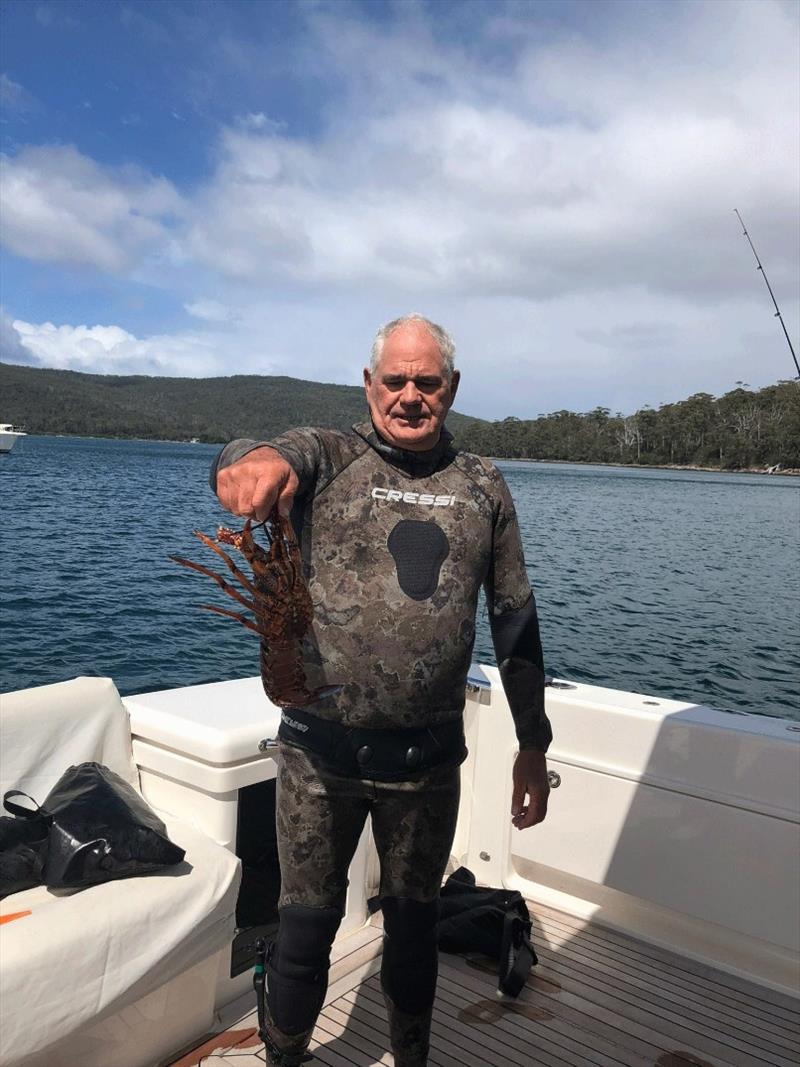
(81, 955)
(45, 730)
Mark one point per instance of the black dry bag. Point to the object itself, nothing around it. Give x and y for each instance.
(492, 922)
(100, 829)
(23, 848)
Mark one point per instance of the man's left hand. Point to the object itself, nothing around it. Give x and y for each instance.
(530, 779)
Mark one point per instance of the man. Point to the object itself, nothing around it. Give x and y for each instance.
(398, 531)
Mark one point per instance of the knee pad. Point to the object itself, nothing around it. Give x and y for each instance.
(410, 953)
(297, 967)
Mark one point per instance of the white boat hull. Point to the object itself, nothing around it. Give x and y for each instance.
(672, 822)
(8, 438)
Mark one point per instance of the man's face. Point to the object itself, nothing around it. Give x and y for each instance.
(409, 394)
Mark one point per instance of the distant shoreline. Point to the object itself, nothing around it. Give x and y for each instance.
(791, 471)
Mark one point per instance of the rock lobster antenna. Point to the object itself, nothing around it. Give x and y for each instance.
(766, 281)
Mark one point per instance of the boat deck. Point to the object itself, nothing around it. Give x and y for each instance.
(598, 996)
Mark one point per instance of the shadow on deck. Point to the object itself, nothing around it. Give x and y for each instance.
(598, 996)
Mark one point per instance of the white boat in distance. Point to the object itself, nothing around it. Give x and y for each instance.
(9, 436)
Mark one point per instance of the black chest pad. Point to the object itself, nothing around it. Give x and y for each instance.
(419, 549)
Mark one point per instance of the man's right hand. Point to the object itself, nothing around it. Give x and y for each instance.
(251, 486)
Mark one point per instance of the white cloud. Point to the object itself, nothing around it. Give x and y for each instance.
(560, 198)
(209, 310)
(14, 98)
(112, 350)
(579, 167)
(257, 121)
(60, 206)
(517, 357)
(632, 182)
(12, 350)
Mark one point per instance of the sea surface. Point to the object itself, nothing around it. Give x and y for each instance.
(679, 584)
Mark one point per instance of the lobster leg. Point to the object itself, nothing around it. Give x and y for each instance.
(240, 576)
(238, 615)
(226, 586)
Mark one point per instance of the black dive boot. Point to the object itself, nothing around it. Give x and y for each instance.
(409, 1035)
(292, 1056)
(282, 1050)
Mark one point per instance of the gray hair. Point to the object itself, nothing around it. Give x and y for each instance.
(438, 333)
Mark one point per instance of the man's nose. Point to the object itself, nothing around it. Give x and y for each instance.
(410, 394)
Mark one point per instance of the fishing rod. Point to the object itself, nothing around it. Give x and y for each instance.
(766, 280)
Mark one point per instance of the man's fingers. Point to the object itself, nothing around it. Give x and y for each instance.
(534, 813)
(529, 780)
(250, 487)
(262, 498)
(227, 491)
(286, 495)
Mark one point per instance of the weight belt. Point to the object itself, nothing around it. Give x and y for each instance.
(381, 755)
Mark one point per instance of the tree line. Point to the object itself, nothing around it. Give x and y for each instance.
(176, 409)
(744, 428)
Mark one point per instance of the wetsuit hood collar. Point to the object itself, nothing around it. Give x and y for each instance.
(415, 463)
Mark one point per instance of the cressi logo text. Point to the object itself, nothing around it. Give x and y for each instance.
(295, 725)
(430, 500)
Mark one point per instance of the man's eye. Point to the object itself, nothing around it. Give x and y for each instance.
(425, 385)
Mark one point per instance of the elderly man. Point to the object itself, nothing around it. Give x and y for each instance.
(399, 530)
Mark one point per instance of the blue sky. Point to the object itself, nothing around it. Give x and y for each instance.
(214, 188)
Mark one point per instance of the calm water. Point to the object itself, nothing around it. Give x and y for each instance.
(681, 584)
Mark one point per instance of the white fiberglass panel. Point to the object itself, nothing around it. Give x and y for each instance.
(220, 722)
(675, 806)
(709, 860)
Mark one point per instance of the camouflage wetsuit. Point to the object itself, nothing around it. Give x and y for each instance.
(397, 545)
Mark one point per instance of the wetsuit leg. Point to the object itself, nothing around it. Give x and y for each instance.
(319, 821)
(297, 977)
(413, 824)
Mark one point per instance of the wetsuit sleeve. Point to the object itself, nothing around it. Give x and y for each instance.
(303, 449)
(515, 629)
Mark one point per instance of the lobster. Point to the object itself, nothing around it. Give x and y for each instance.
(278, 598)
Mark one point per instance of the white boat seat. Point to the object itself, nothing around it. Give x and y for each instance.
(96, 954)
(83, 955)
(45, 730)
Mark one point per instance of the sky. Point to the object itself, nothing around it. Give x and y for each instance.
(204, 188)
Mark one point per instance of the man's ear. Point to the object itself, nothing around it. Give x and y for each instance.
(455, 379)
(367, 381)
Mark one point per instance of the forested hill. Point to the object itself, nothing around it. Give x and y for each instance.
(742, 429)
(176, 409)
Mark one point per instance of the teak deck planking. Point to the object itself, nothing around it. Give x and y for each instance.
(598, 997)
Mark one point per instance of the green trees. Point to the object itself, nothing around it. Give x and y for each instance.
(175, 409)
(744, 428)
